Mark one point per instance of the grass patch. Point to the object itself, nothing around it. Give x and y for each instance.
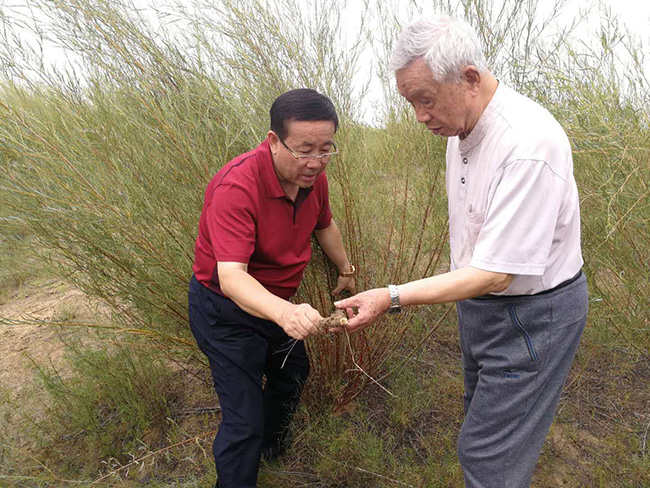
(106, 408)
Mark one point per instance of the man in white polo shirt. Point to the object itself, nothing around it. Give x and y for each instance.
(514, 229)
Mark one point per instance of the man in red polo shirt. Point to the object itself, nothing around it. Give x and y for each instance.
(253, 245)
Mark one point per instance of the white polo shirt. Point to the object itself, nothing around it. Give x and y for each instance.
(513, 200)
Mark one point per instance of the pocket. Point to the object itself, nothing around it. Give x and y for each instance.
(473, 223)
(211, 304)
(523, 332)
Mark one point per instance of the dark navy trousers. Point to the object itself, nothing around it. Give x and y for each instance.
(241, 350)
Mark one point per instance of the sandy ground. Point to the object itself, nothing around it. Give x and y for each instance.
(47, 301)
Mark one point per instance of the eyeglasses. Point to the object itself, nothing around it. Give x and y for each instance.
(326, 156)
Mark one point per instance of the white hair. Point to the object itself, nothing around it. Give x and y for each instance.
(446, 44)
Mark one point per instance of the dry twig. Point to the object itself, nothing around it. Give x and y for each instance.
(137, 462)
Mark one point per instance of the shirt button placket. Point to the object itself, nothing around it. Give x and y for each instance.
(463, 179)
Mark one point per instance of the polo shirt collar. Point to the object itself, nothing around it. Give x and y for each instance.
(270, 178)
(485, 121)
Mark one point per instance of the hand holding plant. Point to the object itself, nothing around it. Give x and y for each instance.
(370, 305)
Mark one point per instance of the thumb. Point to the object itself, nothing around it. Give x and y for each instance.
(338, 290)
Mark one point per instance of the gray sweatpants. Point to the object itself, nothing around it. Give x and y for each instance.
(517, 353)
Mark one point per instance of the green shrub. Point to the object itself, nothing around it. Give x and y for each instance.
(106, 407)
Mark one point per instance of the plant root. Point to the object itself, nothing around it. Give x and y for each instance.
(335, 320)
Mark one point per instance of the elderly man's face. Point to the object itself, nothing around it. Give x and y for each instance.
(447, 109)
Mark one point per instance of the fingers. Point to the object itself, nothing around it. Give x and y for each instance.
(356, 321)
(371, 304)
(295, 330)
(294, 334)
(352, 289)
(314, 319)
(302, 322)
(344, 283)
(357, 324)
(350, 313)
(348, 302)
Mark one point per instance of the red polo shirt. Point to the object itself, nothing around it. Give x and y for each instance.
(248, 218)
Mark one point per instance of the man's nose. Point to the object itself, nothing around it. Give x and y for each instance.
(422, 116)
(314, 163)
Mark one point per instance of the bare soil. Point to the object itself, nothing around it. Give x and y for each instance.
(23, 344)
(46, 301)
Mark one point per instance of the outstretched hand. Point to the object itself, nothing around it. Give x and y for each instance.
(370, 305)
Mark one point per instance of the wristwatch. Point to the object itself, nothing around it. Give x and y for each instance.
(395, 305)
(347, 274)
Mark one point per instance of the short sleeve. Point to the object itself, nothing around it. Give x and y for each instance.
(520, 221)
(231, 224)
(325, 214)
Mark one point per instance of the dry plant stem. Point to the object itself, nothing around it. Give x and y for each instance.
(361, 470)
(76, 158)
(28, 455)
(645, 438)
(630, 342)
(578, 378)
(127, 330)
(295, 341)
(362, 370)
(136, 462)
(419, 345)
(40, 479)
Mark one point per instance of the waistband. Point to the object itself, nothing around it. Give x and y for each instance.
(564, 284)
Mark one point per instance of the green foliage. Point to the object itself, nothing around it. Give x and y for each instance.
(114, 402)
(17, 263)
(15, 267)
(407, 440)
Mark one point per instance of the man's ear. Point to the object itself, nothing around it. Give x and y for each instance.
(274, 141)
(472, 76)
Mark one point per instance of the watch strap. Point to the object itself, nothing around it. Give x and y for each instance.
(347, 274)
(395, 305)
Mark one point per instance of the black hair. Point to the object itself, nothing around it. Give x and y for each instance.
(302, 104)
